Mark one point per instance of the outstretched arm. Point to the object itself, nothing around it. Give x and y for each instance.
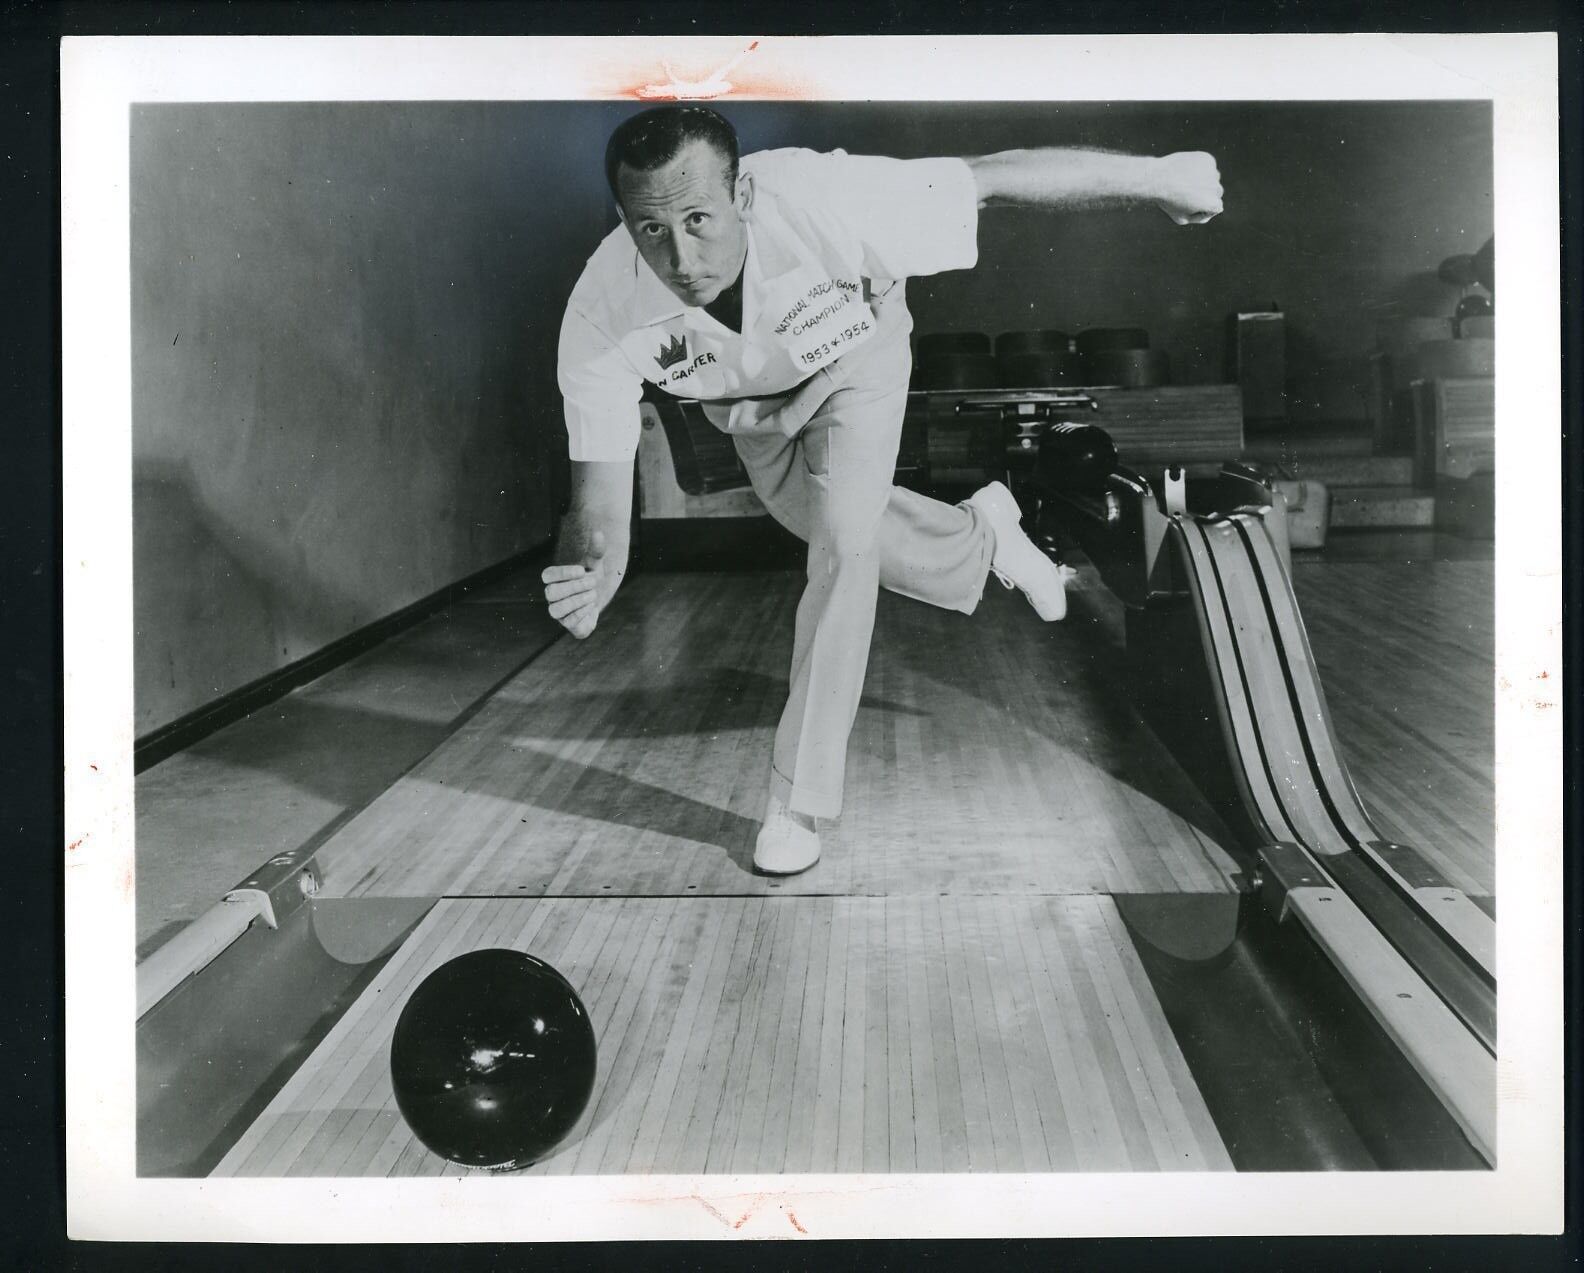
(1186, 185)
(591, 550)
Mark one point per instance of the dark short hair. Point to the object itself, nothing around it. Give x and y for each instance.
(652, 138)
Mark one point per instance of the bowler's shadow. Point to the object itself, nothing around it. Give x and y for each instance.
(714, 700)
(585, 791)
(1087, 651)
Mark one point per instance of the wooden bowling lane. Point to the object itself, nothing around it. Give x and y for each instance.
(795, 1034)
(990, 754)
(1405, 651)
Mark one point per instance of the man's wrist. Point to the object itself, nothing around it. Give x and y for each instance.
(1147, 178)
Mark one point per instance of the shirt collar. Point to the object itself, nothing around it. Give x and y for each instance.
(772, 249)
(653, 301)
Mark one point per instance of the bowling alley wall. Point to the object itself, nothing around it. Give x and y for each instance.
(344, 321)
(344, 318)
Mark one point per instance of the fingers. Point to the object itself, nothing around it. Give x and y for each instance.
(558, 574)
(579, 586)
(1195, 218)
(578, 619)
(1192, 191)
(568, 607)
(572, 593)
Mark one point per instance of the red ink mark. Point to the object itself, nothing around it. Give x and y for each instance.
(677, 87)
(1544, 676)
(95, 768)
(75, 844)
(713, 1210)
(792, 1216)
(748, 1214)
(697, 82)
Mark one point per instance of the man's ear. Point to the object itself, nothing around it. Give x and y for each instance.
(745, 193)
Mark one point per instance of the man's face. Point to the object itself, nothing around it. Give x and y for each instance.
(687, 222)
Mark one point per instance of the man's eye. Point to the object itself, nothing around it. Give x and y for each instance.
(654, 231)
(698, 218)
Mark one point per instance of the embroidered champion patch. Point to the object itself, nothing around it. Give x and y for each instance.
(673, 353)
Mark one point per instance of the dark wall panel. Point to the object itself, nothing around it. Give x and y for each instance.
(1338, 211)
(344, 321)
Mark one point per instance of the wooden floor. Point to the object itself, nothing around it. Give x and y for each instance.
(989, 755)
(950, 989)
(796, 1034)
(1406, 654)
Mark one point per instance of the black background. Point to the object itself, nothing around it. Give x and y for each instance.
(32, 1103)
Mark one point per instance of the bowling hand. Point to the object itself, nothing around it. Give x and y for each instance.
(1188, 186)
(573, 590)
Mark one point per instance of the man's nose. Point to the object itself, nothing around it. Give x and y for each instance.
(684, 254)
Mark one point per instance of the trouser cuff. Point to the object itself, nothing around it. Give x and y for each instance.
(815, 804)
(987, 543)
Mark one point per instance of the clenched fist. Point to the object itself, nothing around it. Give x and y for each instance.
(1188, 186)
(573, 590)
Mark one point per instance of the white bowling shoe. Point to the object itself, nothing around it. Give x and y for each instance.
(785, 846)
(1017, 563)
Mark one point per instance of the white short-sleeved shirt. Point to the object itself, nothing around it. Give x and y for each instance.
(828, 232)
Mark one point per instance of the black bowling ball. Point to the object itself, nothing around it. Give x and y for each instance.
(493, 1059)
(1075, 457)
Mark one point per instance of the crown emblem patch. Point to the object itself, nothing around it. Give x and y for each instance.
(673, 353)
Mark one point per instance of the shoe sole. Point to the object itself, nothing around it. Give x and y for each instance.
(765, 869)
(1043, 612)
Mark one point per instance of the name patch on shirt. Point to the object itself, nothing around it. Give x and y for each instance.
(836, 293)
(678, 360)
(821, 318)
(678, 374)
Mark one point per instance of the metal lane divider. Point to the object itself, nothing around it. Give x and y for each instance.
(271, 893)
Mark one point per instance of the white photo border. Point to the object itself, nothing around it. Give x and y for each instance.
(102, 77)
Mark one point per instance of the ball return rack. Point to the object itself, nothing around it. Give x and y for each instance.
(1221, 666)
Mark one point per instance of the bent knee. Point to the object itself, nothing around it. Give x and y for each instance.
(846, 545)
